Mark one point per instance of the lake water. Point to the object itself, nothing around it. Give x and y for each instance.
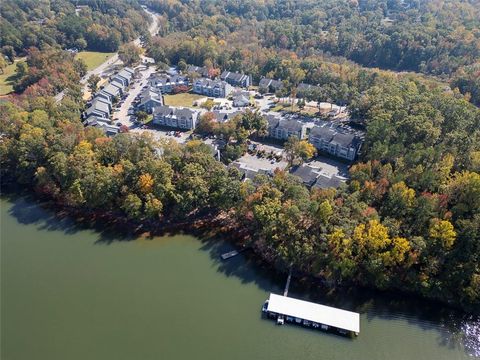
(72, 293)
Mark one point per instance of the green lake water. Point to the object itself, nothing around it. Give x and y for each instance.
(73, 293)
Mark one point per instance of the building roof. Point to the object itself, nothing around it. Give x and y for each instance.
(346, 140)
(325, 182)
(204, 82)
(174, 111)
(307, 174)
(336, 136)
(93, 120)
(168, 79)
(201, 70)
(266, 82)
(235, 76)
(101, 99)
(125, 74)
(221, 116)
(323, 132)
(111, 90)
(150, 94)
(274, 121)
(321, 314)
(241, 99)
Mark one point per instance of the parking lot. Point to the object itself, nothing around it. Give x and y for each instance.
(159, 134)
(123, 112)
(257, 163)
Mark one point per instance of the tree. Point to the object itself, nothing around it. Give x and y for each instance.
(298, 151)
(92, 82)
(9, 52)
(81, 44)
(208, 104)
(442, 231)
(142, 116)
(182, 65)
(207, 124)
(132, 205)
(129, 54)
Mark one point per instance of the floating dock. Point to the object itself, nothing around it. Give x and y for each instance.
(233, 253)
(310, 314)
(229, 254)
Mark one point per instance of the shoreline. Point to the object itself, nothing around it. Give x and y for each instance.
(206, 226)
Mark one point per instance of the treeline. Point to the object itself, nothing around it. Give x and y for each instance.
(434, 37)
(95, 25)
(408, 219)
(440, 38)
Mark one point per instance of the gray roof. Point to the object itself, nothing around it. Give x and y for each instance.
(272, 120)
(266, 82)
(101, 99)
(93, 120)
(202, 70)
(235, 76)
(130, 70)
(336, 136)
(98, 107)
(306, 174)
(173, 111)
(111, 90)
(324, 182)
(346, 140)
(184, 112)
(150, 94)
(287, 124)
(242, 99)
(164, 110)
(323, 132)
(126, 74)
(165, 79)
(225, 116)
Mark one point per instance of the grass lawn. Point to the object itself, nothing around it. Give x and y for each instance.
(7, 77)
(182, 99)
(93, 58)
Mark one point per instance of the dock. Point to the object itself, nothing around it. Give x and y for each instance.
(229, 254)
(287, 285)
(233, 253)
(288, 309)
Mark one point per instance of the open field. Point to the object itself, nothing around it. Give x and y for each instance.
(7, 77)
(182, 99)
(93, 58)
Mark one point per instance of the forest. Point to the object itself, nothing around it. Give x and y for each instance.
(438, 38)
(408, 219)
(96, 25)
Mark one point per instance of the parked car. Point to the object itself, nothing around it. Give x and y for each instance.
(119, 123)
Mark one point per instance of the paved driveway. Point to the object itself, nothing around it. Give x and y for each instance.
(122, 112)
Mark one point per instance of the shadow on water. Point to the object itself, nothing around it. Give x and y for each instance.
(455, 329)
(27, 210)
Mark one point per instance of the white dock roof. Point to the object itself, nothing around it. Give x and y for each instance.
(341, 319)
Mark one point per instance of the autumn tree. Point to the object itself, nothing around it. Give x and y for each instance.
(298, 151)
(129, 54)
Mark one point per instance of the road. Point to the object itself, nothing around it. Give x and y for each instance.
(109, 66)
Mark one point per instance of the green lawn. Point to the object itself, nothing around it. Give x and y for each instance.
(7, 77)
(93, 58)
(182, 99)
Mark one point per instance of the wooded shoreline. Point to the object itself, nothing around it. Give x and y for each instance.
(203, 226)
